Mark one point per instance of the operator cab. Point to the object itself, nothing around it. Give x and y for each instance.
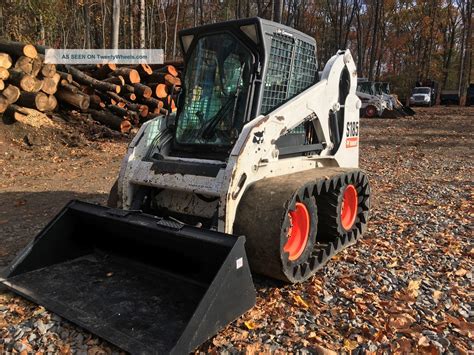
(235, 71)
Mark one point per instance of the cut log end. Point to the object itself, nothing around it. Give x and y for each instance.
(12, 93)
(30, 51)
(5, 60)
(3, 103)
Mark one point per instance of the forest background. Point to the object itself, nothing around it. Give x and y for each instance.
(397, 41)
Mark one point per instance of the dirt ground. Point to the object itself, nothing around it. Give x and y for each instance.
(406, 287)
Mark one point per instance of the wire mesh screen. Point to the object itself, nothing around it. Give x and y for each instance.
(304, 69)
(278, 72)
(291, 69)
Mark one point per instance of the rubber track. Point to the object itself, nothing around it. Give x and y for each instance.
(325, 251)
(263, 208)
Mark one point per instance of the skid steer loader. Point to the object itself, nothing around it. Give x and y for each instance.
(373, 105)
(260, 147)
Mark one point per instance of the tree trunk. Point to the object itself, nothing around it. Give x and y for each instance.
(117, 80)
(175, 29)
(85, 79)
(115, 23)
(131, 76)
(4, 73)
(48, 70)
(5, 60)
(13, 113)
(36, 100)
(65, 76)
(142, 90)
(277, 10)
(110, 120)
(11, 93)
(50, 86)
(105, 70)
(24, 64)
(160, 90)
(52, 103)
(77, 100)
(24, 81)
(373, 51)
(466, 62)
(87, 26)
(143, 69)
(142, 23)
(152, 102)
(3, 103)
(18, 49)
(96, 102)
(130, 96)
(162, 78)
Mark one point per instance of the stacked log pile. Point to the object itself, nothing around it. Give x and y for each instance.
(118, 96)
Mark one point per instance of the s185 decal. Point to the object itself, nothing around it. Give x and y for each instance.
(352, 134)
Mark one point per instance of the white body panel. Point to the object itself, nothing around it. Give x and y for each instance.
(254, 155)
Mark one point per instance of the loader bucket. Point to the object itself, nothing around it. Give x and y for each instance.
(409, 111)
(145, 284)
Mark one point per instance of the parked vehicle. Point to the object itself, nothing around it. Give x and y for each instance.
(449, 97)
(372, 105)
(394, 107)
(422, 96)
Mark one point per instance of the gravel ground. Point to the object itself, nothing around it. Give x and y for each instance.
(407, 286)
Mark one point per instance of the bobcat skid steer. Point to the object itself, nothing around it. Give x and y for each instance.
(261, 150)
(373, 105)
(398, 109)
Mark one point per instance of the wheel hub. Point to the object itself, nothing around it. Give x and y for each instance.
(349, 207)
(298, 232)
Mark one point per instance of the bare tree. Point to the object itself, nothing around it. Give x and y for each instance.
(277, 10)
(373, 52)
(465, 67)
(87, 27)
(142, 23)
(175, 30)
(115, 23)
(131, 24)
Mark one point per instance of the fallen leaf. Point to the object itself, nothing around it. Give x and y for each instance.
(393, 264)
(323, 351)
(413, 287)
(401, 321)
(350, 345)
(424, 341)
(38, 311)
(300, 302)
(250, 325)
(461, 272)
(404, 346)
(437, 295)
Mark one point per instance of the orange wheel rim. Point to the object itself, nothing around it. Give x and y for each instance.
(349, 207)
(298, 232)
(370, 111)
